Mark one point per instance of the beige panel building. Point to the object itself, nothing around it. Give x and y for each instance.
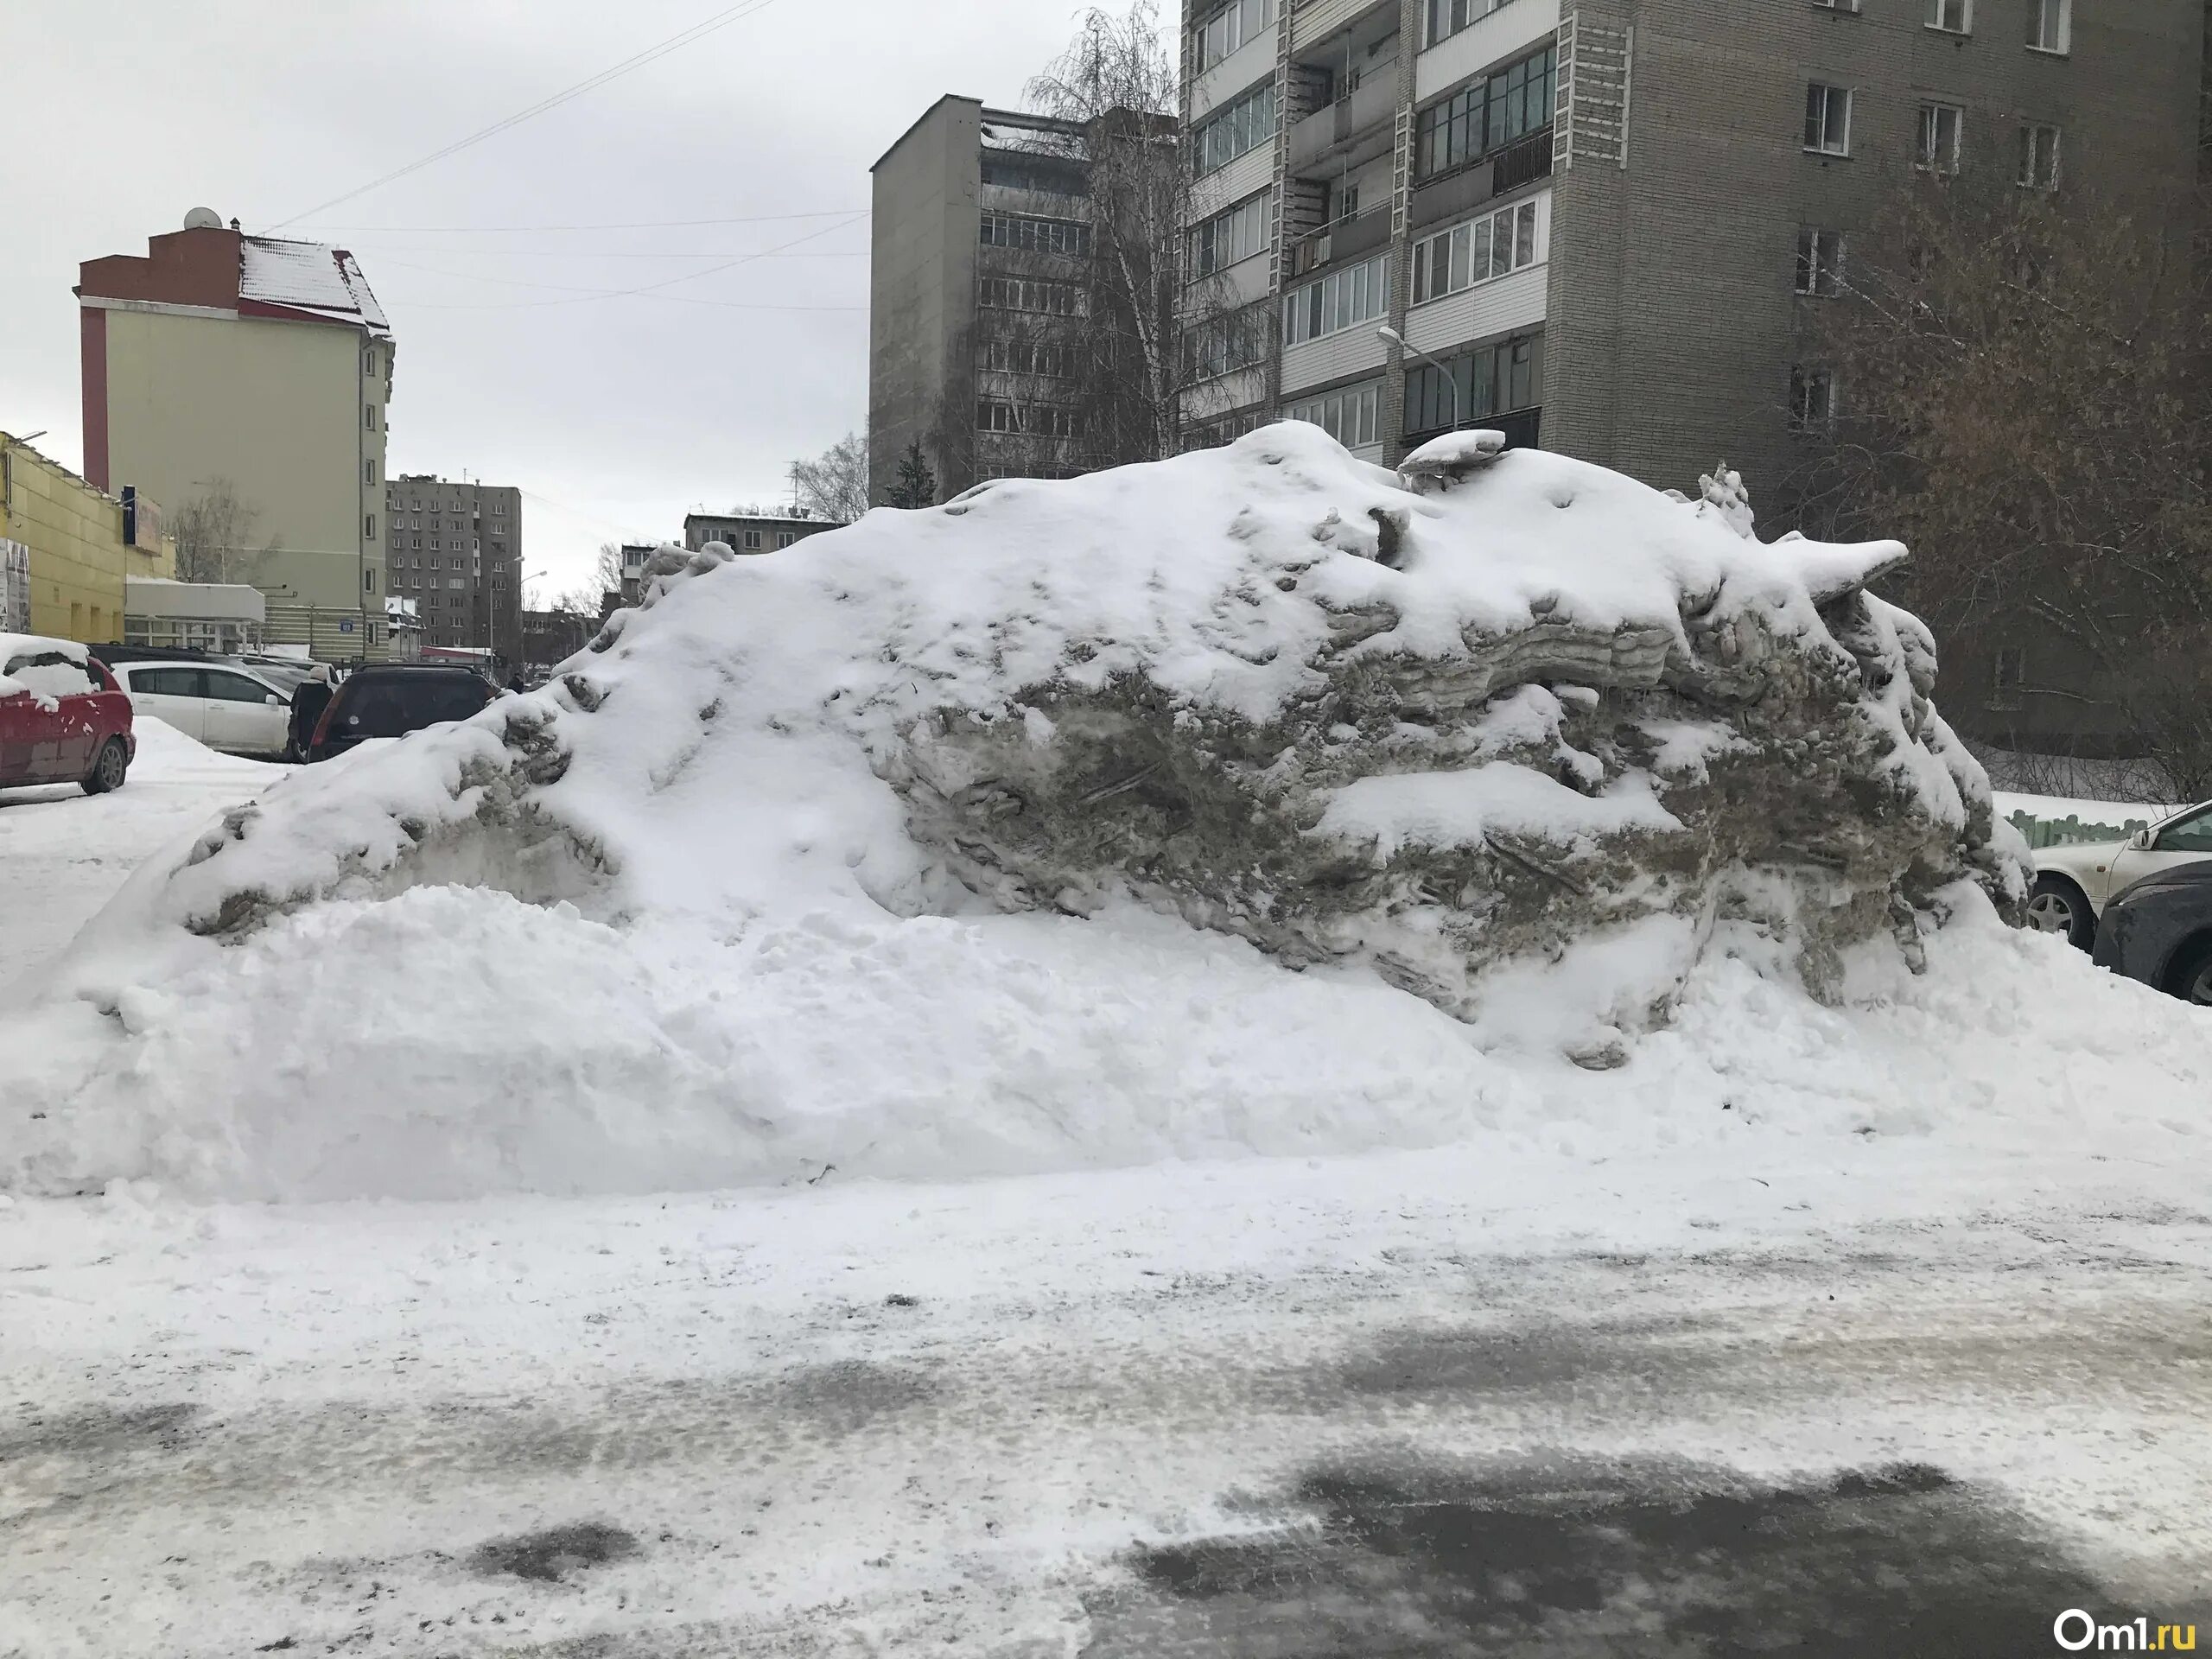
(74, 574)
(222, 361)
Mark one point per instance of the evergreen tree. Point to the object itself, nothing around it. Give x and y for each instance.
(916, 484)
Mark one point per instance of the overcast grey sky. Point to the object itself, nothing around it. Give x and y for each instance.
(614, 415)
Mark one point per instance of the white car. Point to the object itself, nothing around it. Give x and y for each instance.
(2073, 883)
(226, 708)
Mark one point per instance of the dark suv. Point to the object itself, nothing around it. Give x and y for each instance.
(392, 699)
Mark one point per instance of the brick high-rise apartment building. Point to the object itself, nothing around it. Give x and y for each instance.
(456, 550)
(1607, 219)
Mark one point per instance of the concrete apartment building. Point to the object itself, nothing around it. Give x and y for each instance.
(980, 268)
(1602, 217)
(264, 364)
(752, 532)
(455, 550)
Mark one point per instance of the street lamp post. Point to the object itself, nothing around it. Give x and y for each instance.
(1451, 380)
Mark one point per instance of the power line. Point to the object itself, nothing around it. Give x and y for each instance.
(642, 224)
(674, 43)
(382, 248)
(579, 296)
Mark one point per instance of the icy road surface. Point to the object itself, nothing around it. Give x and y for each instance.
(1834, 1397)
(1396, 1407)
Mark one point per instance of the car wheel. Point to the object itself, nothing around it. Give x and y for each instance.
(2056, 905)
(2191, 979)
(108, 770)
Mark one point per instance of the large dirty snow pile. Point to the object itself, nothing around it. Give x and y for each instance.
(1259, 799)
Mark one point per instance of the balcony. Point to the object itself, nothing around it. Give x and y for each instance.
(1350, 132)
(1347, 238)
(1524, 161)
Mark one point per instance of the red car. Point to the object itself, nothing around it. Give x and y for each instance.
(63, 720)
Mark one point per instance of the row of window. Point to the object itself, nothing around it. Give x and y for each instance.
(1486, 115)
(1047, 178)
(1240, 20)
(1029, 420)
(1230, 132)
(1235, 233)
(1031, 234)
(1048, 358)
(1938, 140)
(1447, 17)
(399, 561)
(1224, 344)
(1477, 251)
(1343, 299)
(1220, 35)
(1350, 413)
(1026, 294)
(1496, 380)
(2050, 22)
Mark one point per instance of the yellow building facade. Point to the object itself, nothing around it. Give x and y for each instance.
(74, 532)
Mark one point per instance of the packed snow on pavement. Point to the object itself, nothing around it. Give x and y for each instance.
(738, 1243)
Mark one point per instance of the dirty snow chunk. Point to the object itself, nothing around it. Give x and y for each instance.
(1462, 809)
(1026, 788)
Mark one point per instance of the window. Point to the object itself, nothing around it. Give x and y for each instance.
(1954, 16)
(2190, 835)
(2050, 25)
(1475, 252)
(2008, 673)
(1348, 414)
(1031, 234)
(226, 686)
(498, 509)
(1496, 380)
(1447, 17)
(1343, 299)
(784, 537)
(369, 527)
(1938, 149)
(1224, 31)
(1820, 262)
(1048, 177)
(752, 541)
(1222, 344)
(1827, 118)
(166, 682)
(369, 580)
(1244, 125)
(369, 471)
(1837, 5)
(1485, 115)
(1236, 233)
(1023, 293)
(369, 416)
(1034, 420)
(1049, 360)
(2039, 157)
(1343, 201)
(1812, 399)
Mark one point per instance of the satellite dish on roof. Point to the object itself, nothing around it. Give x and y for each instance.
(203, 218)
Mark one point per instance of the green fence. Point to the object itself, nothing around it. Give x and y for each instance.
(2071, 831)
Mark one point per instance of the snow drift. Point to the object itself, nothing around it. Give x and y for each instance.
(728, 900)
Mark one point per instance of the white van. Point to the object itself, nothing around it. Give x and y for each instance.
(230, 709)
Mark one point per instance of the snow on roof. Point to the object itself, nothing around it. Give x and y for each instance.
(308, 277)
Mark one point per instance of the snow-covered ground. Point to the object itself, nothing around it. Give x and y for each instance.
(1911, 1294)
(65, 853)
